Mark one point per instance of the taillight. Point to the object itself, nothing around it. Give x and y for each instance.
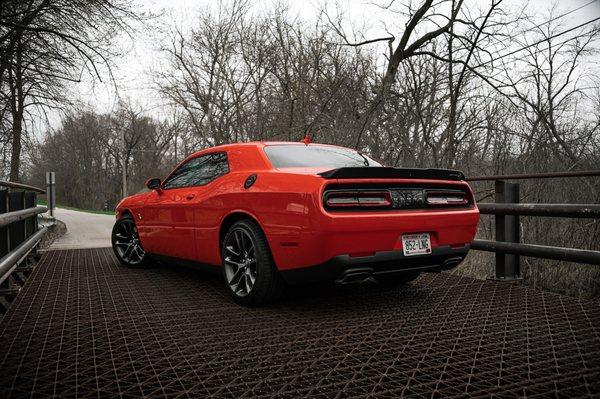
(349, 199)
(444, 198)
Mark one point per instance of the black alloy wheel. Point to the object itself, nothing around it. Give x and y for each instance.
(248, 267)
(126, 243)
(240, 262)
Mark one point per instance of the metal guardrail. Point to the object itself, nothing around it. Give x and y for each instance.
(539, 251)
(19, 235)
(9, 263)
(591, 211)
(507, 211)
(21, 186)
(11, 217)
(545, 175)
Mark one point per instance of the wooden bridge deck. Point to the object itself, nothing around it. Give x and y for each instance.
(85, 327)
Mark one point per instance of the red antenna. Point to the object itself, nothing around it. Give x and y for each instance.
(306, 140)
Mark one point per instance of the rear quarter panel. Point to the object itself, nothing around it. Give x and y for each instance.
(278, 202)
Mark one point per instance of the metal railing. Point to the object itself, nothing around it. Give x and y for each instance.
(19, 235)
(507, 211)
(26, 187)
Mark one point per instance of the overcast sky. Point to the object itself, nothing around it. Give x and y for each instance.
(133, 71)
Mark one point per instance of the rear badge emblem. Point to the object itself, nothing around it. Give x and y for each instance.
(408, 198)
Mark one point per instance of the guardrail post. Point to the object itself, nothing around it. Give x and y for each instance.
(4, 242)
(507, 230)
(30, 201)
(51, 192)
(4, 239)
(16, 202)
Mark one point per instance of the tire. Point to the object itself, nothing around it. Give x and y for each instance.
(398, 278)
(249, 271)
(126, 243)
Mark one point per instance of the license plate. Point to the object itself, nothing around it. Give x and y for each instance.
(416, 244)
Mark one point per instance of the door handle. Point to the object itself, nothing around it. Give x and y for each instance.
(190, 197)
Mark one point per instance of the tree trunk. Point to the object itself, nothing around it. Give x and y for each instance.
(15, 158)
(451, 129)
(16, 109)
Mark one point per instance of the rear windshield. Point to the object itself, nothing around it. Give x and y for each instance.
(307, 156)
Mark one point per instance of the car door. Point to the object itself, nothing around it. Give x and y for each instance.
(170, 212)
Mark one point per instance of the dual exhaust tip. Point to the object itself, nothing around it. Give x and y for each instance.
(357, 275)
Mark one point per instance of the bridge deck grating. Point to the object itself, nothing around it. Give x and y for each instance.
(83, 326)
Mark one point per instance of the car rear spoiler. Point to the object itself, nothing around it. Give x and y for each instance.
(381, 172)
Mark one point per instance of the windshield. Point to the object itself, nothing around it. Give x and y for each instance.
(308, 156)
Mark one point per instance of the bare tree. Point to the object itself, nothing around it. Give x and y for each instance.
(45, 44)
(550, 90)
(410, 44)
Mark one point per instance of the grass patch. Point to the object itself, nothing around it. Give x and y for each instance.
(43, 202)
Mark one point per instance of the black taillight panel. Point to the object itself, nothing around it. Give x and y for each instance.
(357, 199)
(445, 198)
(339, 197)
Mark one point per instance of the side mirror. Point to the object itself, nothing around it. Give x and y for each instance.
(153, 184)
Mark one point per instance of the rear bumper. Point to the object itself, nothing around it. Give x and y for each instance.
(345, 267)
(354, 234)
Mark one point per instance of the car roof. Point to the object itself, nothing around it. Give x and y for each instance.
(259, 144)
(256, 159)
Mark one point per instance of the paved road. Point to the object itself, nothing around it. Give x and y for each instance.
(84, 230)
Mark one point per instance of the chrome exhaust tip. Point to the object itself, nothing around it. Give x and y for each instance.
(354, 276)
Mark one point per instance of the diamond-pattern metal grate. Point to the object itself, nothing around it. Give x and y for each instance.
(85, 327)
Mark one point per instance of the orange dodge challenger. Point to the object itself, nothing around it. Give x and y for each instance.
(267, 214)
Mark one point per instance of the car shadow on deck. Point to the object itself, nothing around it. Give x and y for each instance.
(324, 294)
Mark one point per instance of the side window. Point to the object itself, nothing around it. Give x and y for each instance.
(199, 171)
